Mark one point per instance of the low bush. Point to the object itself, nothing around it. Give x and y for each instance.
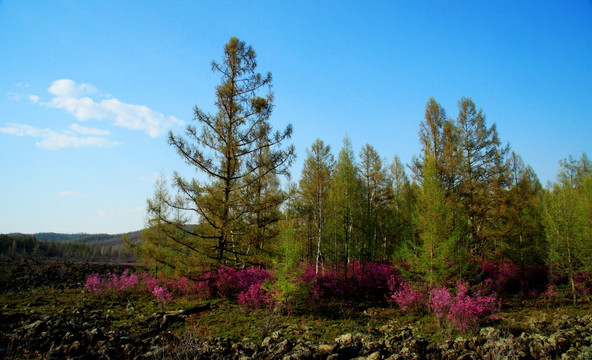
(512, 278)
(409, 298)
(243, 285)
(114, 283)
(463, 310)
(361, 281)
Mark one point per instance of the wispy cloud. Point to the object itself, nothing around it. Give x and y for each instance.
(18, 96)
(21, 130)
(15, 96)
(85, 103)
(53, 140)
(71, 194)
(89, 131)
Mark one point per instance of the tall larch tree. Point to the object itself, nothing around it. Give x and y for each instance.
(377, 193)
(434, 225)
(568, 220)
(226, 148)
(345, 199)
(314, 191)
(481, 163)
(263, 197)
(523, 228)
(431, 138)
(402, 207)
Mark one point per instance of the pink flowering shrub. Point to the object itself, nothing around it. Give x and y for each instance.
(512, 278)
(162, 294)
(368, 280)
(505, 275)
(230, 282)
(226, 281)
(123, 282)
(180, 286)
(94, 284)
(550, 295)
(463, 311)
(321, 285)
(150, 281)
(372, 279)
(583, 283)
(244, 285)
(394, 283)
(255, 297)
(202, 287)
(409, 298)
(440, 301)
(550, 292)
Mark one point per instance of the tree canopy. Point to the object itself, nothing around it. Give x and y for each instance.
(241, 157)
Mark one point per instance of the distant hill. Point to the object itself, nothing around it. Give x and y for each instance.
(50, 236)
(115, 241)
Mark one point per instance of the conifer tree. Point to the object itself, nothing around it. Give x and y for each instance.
(402, 207)
(234, 149)
(345, 199)
(524, 232)
(377, 192)
(431, 138)
(434, 224)
(314, 190)
(482, 165)
(568, 220)
(263, 197)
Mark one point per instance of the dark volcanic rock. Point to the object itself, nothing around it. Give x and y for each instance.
(18, 276)
(93, 337)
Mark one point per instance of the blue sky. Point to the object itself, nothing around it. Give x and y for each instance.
(89, 89)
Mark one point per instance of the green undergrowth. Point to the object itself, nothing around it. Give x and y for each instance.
(320, 321)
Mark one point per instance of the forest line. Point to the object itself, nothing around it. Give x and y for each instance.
(467, 196)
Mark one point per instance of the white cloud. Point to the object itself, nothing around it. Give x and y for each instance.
(89, 131)
(68, 88)
(34, 98)
(15, 96)
(20, 130)
(83, 108)
(139, 117)
(77, 99)
(71, 194)
(53, 140)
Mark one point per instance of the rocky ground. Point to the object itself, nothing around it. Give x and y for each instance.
(91, 336)
(83, 331)
(571, 340)
(26, 275)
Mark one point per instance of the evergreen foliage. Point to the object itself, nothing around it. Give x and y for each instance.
(471, 202)
(568, 220)
(29, 247)
(434, 225)
(235, 212)
(345, 199)
(314, 193)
